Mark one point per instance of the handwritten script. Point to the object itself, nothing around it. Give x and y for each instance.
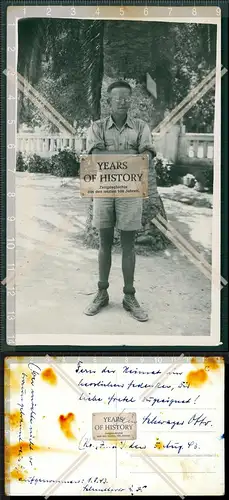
(123, 420)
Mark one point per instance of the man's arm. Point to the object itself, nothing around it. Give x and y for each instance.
(124, 152)
(145, 144)
(95, 141)
(96, 144)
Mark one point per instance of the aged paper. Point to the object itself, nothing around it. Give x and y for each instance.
(118, 426)
(176, 405)
(180, 287)
(114, 176)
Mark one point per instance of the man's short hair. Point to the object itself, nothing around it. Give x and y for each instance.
(119, 84)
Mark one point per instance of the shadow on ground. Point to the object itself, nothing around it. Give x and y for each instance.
(57, 275)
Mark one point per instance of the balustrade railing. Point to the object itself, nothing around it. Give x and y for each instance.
(196, 149)
(176, 145)
(46, 146)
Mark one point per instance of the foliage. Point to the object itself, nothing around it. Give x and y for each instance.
(205, 177)
(200, 118)
(80, 131)
(67, 60)
(20, 163)
(194, 58)
(65, 164)
(69, 55)
(209, 179)
(177, 56)
(163, 170)
(36, 164)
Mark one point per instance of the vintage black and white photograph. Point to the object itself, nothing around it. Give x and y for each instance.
(117, 270)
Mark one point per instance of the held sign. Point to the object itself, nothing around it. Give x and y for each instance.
(114, 426)
(114, 175)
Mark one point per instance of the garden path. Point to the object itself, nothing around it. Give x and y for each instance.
(57, 276)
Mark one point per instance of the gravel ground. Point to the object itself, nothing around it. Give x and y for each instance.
(57, 275)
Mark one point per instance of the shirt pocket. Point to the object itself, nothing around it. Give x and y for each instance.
(132, 140)
(110, 144)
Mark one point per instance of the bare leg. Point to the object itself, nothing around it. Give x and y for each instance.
(128, 260)
(130, 302)
(105, 249)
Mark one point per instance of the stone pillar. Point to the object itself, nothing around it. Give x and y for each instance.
(168, 142)
(83, 143)
(170, 145)
(182, 145)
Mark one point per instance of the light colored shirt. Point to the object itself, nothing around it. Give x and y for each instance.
(135, 136)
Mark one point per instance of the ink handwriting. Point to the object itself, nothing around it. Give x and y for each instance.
(122, 393)
(22, 414)
(86, 442)
(89, 484)
(195, 420)
(35, 370)
(172, 445)
(152, 400)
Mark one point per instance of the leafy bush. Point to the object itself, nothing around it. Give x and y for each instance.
(163, 170)
(209, 179)
(36, 164)
(20, 162)
(65, 164)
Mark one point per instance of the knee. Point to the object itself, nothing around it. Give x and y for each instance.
(105, 246)
(106, 240)
(128, 245)
(128, 251)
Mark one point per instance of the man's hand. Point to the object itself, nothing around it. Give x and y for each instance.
(151, 154)
(124, 153)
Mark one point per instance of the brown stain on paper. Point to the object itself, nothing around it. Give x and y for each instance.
(19, 474)
(159, 445)
(13, 378)
(14, 451)
(197, 378)
(65, 425)
(212, 363)
(49, 376)
(11, 381)
(14, 419)
(17, 451)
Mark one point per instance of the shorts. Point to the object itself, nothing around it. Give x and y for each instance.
(124, 213)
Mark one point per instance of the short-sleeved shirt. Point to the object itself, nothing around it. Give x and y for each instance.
(135, 135)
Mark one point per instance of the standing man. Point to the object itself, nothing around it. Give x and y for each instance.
(119, 133)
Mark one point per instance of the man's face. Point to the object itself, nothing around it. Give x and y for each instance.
(120, 99)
